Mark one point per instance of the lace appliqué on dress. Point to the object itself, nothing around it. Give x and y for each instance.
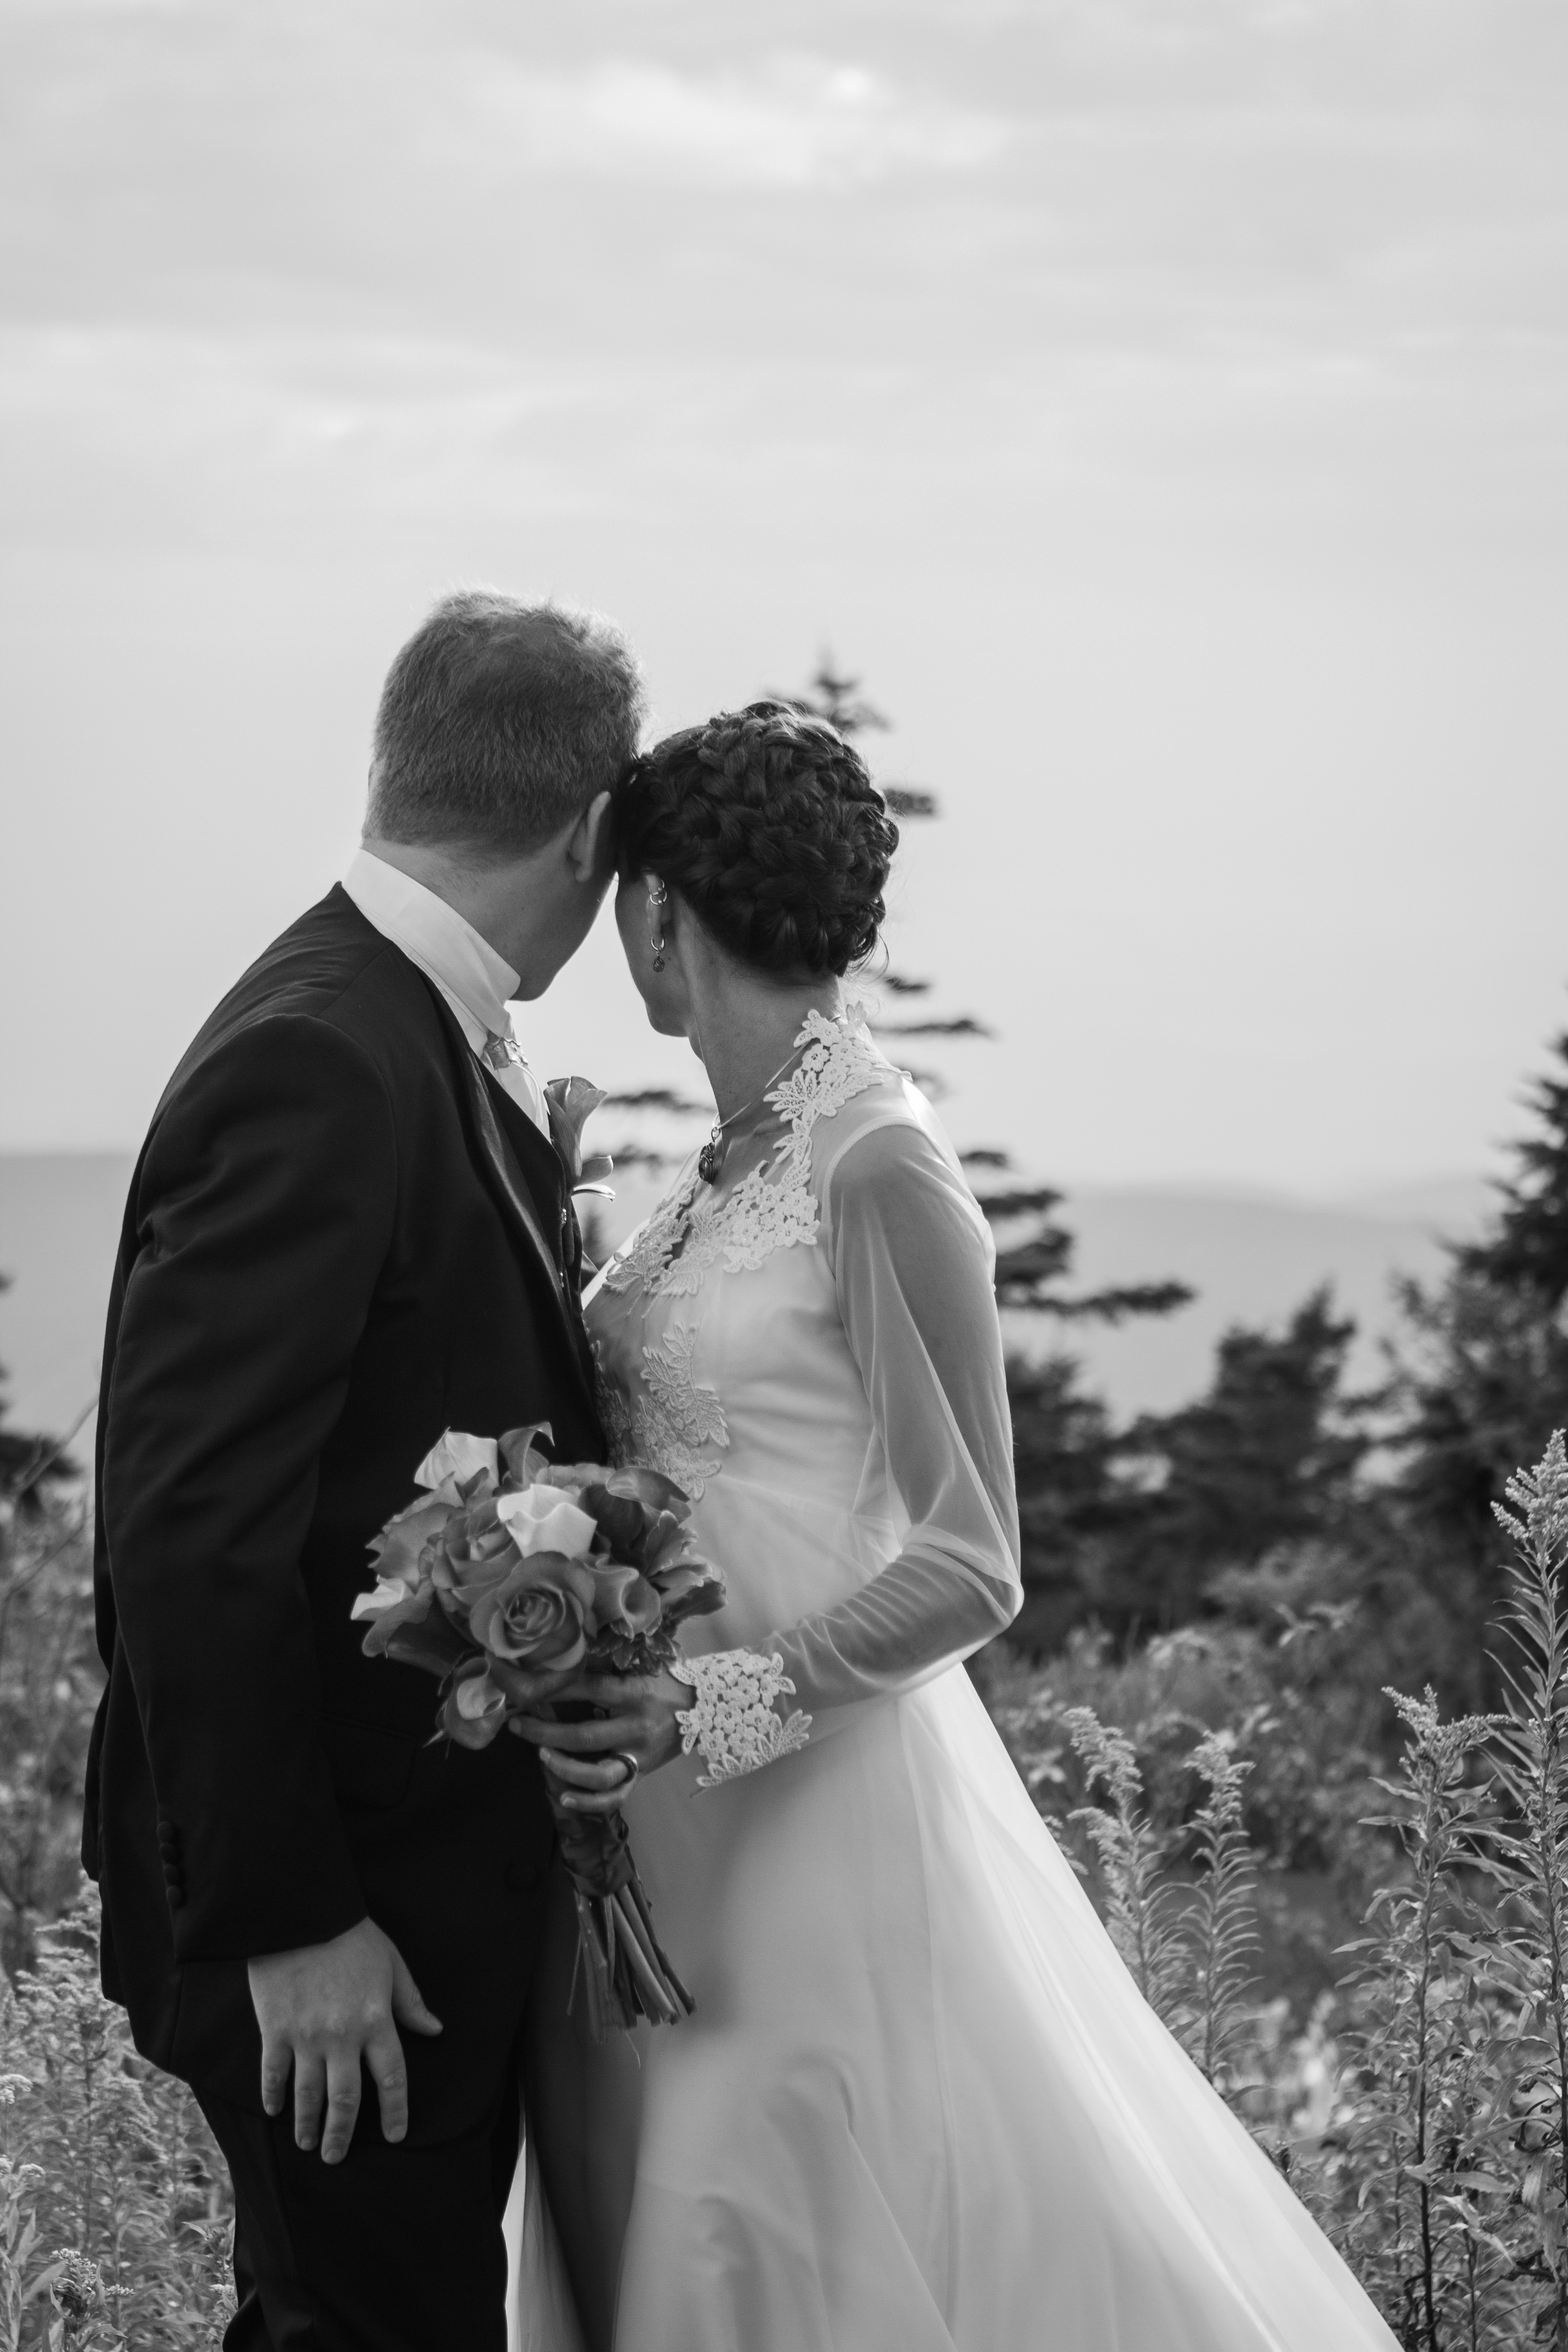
(643, 1262)
(671, 1426)
(678, 1417)
(773, 1207)
(732, 1719)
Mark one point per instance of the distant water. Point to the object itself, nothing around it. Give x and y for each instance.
(1251, 1257)
(60, 1226)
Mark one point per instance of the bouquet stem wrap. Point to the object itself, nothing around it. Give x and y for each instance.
(509, 1561)
(625, 1971)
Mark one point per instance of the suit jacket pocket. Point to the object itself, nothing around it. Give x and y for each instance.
(371, 1770)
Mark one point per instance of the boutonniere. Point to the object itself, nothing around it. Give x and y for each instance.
(572, 1103)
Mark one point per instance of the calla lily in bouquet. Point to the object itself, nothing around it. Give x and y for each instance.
(509, 1561)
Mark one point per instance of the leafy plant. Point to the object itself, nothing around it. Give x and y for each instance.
(1222, 1928)
(1424, 2045)
(1531, 1771)
(1142, 1907)
(1423, 2115)
(1190, 1945)
(108, 2169)
(49, 1681)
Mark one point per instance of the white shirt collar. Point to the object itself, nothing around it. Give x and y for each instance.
(475, 981)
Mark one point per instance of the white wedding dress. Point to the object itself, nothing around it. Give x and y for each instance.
(920, 2104)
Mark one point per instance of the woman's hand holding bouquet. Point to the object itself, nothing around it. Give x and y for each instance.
(517, 1582)
(635, 1721)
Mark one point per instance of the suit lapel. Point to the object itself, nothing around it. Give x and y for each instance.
(508, 1186)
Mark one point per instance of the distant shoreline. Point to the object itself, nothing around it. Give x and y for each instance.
(1251, 1256)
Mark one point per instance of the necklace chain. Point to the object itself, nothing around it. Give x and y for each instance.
(710, 1159)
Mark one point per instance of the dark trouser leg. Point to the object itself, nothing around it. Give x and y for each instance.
(395, 2249)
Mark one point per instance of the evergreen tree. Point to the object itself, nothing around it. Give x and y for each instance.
(1073, 1512)
(1481, 1384)
(1268, 1457)
(27, 1464)
(1527, 1251)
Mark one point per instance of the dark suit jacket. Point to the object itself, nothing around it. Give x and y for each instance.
(341, 1239)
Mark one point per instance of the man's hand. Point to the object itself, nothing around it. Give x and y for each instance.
(638, 1720)
(320, 2010)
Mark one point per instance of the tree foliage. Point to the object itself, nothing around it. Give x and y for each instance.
(1481, 1379)
(1268, 1457)
(1526, 1252)
(1137, 1528)
(29, 1465)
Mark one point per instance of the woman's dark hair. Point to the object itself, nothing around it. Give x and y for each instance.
(767, 824)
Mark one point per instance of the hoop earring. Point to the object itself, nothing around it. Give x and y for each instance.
(657, 900)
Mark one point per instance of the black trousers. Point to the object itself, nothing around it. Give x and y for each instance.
(395, 2249)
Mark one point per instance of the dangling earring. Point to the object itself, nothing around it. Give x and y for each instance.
(657, 900)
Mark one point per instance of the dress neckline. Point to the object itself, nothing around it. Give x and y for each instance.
(773, 1205)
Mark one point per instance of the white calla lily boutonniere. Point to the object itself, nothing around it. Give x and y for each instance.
(572, 1103)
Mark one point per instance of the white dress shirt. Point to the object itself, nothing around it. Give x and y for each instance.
(475, 981)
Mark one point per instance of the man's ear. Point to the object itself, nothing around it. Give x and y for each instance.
(588, 850)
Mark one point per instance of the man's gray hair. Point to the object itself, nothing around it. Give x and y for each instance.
(498, 723)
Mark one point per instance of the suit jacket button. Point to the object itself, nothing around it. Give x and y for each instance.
(176, 1896)
(522, 1875)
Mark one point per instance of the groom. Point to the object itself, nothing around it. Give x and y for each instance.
(348, 1229)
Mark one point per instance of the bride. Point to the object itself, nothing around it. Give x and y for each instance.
(920, 2104)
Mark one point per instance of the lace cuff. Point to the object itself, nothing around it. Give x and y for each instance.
(732, 1718)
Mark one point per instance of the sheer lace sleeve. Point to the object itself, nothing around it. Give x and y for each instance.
(913, 1264)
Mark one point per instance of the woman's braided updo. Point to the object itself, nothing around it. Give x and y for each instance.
(768, 827)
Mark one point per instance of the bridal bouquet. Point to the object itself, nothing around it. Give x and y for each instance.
(509, 1559)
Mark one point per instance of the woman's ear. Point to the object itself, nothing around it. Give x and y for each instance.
(588, 849)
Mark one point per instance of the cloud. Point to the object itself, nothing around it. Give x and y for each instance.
(176, 436)
(54, 9)
(790, 122)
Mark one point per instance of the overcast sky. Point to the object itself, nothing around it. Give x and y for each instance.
(1160, 403)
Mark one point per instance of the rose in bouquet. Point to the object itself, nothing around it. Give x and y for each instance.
(509, 1561)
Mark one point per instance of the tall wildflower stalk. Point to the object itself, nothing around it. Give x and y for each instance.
(1421, 2041)
(1143, 1909)
(1532, 1772)
(1189, 1946)
(95, 2122)
(1222, 1928)
(23, 2278)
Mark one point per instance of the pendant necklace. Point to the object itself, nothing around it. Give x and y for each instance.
(710, 1159)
